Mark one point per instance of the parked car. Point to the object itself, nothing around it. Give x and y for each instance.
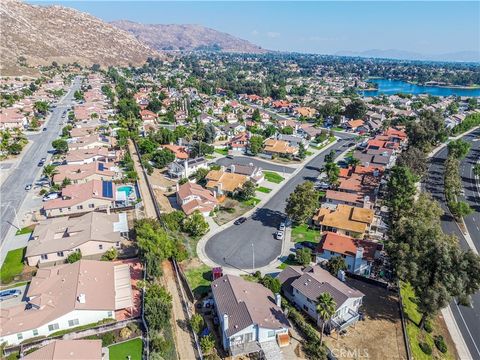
(208, 303)
(240, 220)
(322, 185)
(28, 187)
(40, 163)
(44, 129)
(229, 156)
(305, 244)
(279, 235)
(282, 226)
(9, 294)
(51, 196)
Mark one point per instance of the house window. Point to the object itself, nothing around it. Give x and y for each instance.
(69, 209)
(19, 336)
(109, 314)
(73, 322)
(91, 206)
(35, 332)
(117, 244)
(60, 210)
(305, 307)
(100, 246)
(271, 334)
(79, 207)
(53, 327)
(60, 254)
(44, 257)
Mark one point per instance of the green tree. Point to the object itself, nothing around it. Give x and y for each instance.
(247, 191)
(49, 171)
(147, 146)
(255, 144)
(326, 308)
(78, 95)
(157, 307)
(110, 255)
(74, 257)
(303, 256)
(460, 209)
(401, 191)
(207, 344)
(256, 115)
(41, 107)
(302, 152)
(415, 159)
(356, 109)
(60, 145)
(476, 169)
(302, 202)
(335, 264)
(200, 175)
(210, 133)
(197, 323)
(458, 148)
(333, 171)
(195, 224)
(14, 149)
(162, 158)
(271, 283)
(34, 123)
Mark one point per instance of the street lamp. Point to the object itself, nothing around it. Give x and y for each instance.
(16, 217)
(253, 257)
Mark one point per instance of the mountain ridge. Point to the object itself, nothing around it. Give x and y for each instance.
(190, 37)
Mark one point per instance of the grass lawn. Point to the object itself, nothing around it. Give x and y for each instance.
(287, 262)
(132, 348)
(336, 128)
(209, 157)
(251, 202)
(25, 230)
(273, 177)
(223, 151)
(303, 233)
(199, 279)
(308, 153)
(264, 189)
(415, 334)
(12, 266)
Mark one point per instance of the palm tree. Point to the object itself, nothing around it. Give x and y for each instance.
(49, 171)
(354, 161)
(332, 170)
(326, 308)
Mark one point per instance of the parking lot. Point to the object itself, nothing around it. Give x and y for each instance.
(13, 301)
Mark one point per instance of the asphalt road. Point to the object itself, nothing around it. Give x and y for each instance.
(468, 319)
(471, 188)
(252, 244)
(251, 160)
(13, 193)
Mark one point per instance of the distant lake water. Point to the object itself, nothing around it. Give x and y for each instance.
(392, 87)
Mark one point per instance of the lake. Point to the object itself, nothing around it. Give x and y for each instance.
(392, 87)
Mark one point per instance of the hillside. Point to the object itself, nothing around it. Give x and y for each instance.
(186, 37)
(43, 34)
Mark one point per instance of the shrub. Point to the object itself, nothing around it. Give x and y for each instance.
(440, 343)
(110, 255)
(133, 327)
(125, 333)
(427, 349)
(74, 257)
(108, 339)
(428, 327)
(197, 323)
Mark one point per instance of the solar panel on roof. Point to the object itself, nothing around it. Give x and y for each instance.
(107, 189)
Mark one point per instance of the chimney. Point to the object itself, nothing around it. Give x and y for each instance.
(108, 210)
(358, 260)
(232, 168)
(81, 299)
(341, 275)
(225, 322)
(278, 300)
(178, 186)
(185, 165)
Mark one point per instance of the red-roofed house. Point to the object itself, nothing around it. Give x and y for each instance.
(359, 254)
(192, 197)
(180, 152)
(239, 142)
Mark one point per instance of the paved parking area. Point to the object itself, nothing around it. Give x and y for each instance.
(5, 304)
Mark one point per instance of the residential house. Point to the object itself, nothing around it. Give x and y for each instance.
(250, 316)
(254, 173)
(80, 198)
(192, 197)
(354, 125)
(12, 118)
(293, 140)
(239, 142)
(344, 219)
(91, 142)
(180, 152)
(303, 286)
(83, 173)
(92, 234)
(306, 112)
(67, 296)
(86, 156)
(274, 147)
(186, 168)
(359, 254)
(68, 349)
(221, 182)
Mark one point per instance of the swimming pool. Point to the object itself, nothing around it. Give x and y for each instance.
(126, 189)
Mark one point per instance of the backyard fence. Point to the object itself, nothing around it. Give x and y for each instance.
(404, 325)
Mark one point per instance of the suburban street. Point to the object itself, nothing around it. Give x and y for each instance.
(467, 318)
(245, 160)
(252, 244)
(26, 171)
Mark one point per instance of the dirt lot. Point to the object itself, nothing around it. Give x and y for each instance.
(162, 199)
(158, 179)
(224, 216)
(379, 336)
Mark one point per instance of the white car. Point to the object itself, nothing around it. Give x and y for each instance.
(282, 226)
(50, 196)
(279, 235)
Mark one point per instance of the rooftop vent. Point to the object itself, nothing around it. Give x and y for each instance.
(82, 298)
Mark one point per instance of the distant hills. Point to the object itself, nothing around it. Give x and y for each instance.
(42, 34)
(186, 37)
(463, 56)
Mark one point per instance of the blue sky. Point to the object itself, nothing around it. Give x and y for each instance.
(427, 27)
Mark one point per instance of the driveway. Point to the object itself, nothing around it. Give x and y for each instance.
(12, 191)
(467, 318)
(252, 244)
